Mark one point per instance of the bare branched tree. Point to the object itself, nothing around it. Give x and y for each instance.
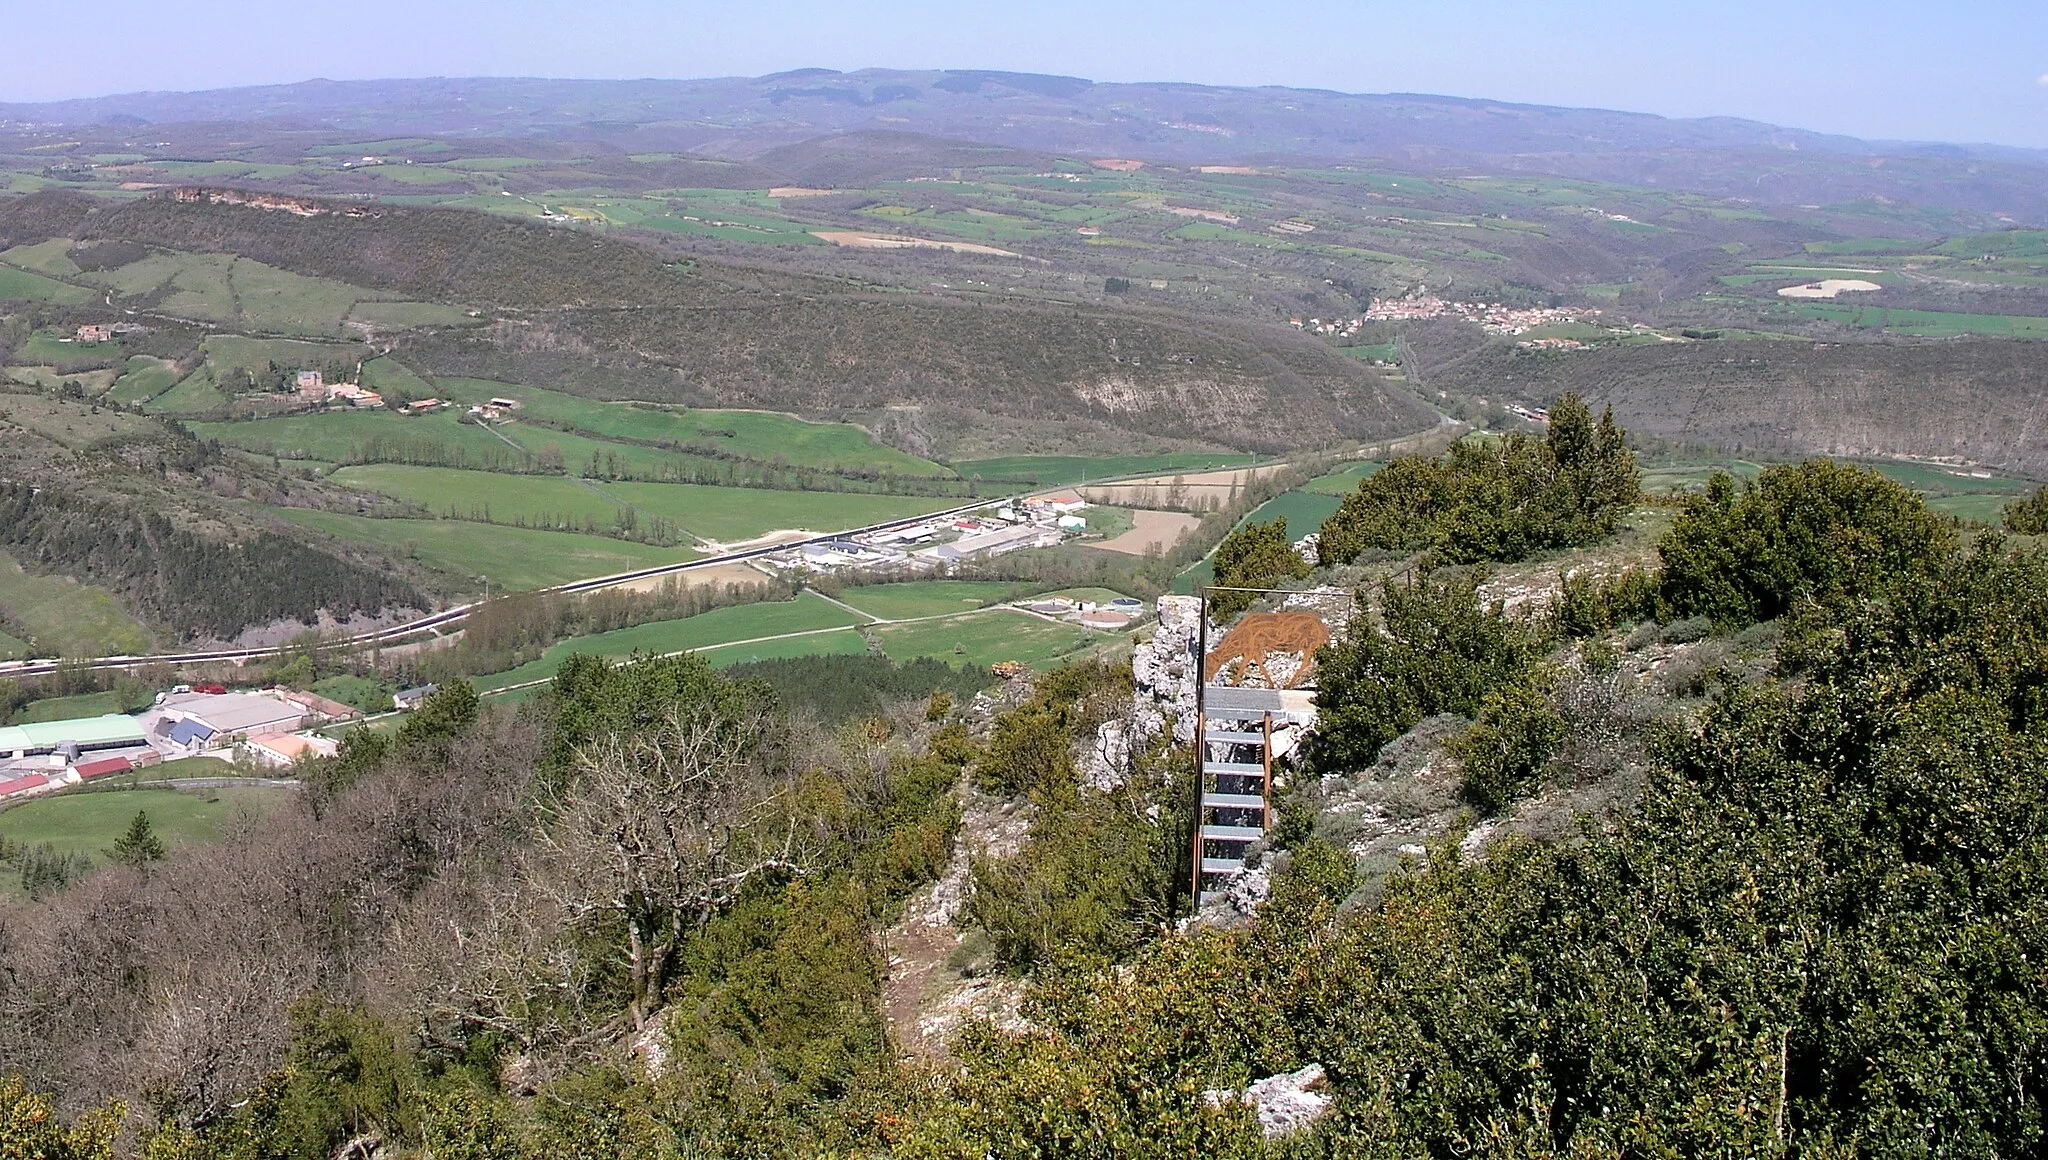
(661, 830)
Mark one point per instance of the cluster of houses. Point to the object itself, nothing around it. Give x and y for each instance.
(1493, 317)
(271, 728)
(92, 334)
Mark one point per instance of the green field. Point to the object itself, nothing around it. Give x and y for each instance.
(748, 434)
(1665, 478)
(365, 693)
(1304, 511)
(22, 284)
(252, 354)
(534, 501)
(394, 379)
(88, 823)
(515, 559)
(1343, 483)
(67, 619)
(1984, 509)
(982, 639)
(1925, 323)
(731, 514)
(1056, 470)
(807, 613)
(143, 378)
(193, 395)
(359, 436)
(49, 257)
(926, 597)
(70, 708)
(406, 315)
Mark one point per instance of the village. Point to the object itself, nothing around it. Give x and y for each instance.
(1495, 318)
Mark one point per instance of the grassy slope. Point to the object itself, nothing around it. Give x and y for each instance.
(982, 639)
(754, 434)
(926, 597)
(88, 823)
(68, 619)
(720, 626)
(736, 513)
(515, 559)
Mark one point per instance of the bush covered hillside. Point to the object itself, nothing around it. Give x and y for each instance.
(1728, 846)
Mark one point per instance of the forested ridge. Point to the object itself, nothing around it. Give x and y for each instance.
(194, 585)
(644, 914)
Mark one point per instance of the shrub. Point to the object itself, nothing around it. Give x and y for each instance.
(1506, 749)
(1814, 531)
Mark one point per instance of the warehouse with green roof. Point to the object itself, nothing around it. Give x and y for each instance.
(83, 735)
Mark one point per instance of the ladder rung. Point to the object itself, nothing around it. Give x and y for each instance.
(1240, 768)
(1233, 801)
(1222, 865)
(1224, 737)
(1232, 833)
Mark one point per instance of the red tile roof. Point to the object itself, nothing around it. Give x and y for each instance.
(103, 766)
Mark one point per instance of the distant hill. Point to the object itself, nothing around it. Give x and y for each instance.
(1181, 123)
(607, 317)
(1978, 400)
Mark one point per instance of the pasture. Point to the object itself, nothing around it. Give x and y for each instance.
(87, 823)
(981, 639)
(758, 435)
(735, 514)
(514, 559)
(927, 597)
(721, 626)
(51, 257)
(533, 501)
(32, 287)
(369, 436)
(1924, 323)
(68, 619)
(143, 378)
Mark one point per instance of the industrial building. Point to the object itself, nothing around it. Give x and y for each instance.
(71, 738)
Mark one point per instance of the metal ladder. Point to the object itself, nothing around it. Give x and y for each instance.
(1236, 789)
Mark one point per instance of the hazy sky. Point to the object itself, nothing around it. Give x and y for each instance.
(1954, 70)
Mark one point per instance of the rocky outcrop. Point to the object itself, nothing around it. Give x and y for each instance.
(1285, 1104)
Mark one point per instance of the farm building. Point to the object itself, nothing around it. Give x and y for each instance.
(94, 334)
(87, 770)
(205, 719)
(992, 543)
(11, 786)
(279, 750)
(410, 699)
(72, 738)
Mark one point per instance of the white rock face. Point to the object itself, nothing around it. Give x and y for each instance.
(1285, 1104)
(1164, 673)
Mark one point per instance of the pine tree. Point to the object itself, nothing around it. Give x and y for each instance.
(139, 846)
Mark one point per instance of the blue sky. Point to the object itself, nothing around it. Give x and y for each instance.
(1944, 70)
